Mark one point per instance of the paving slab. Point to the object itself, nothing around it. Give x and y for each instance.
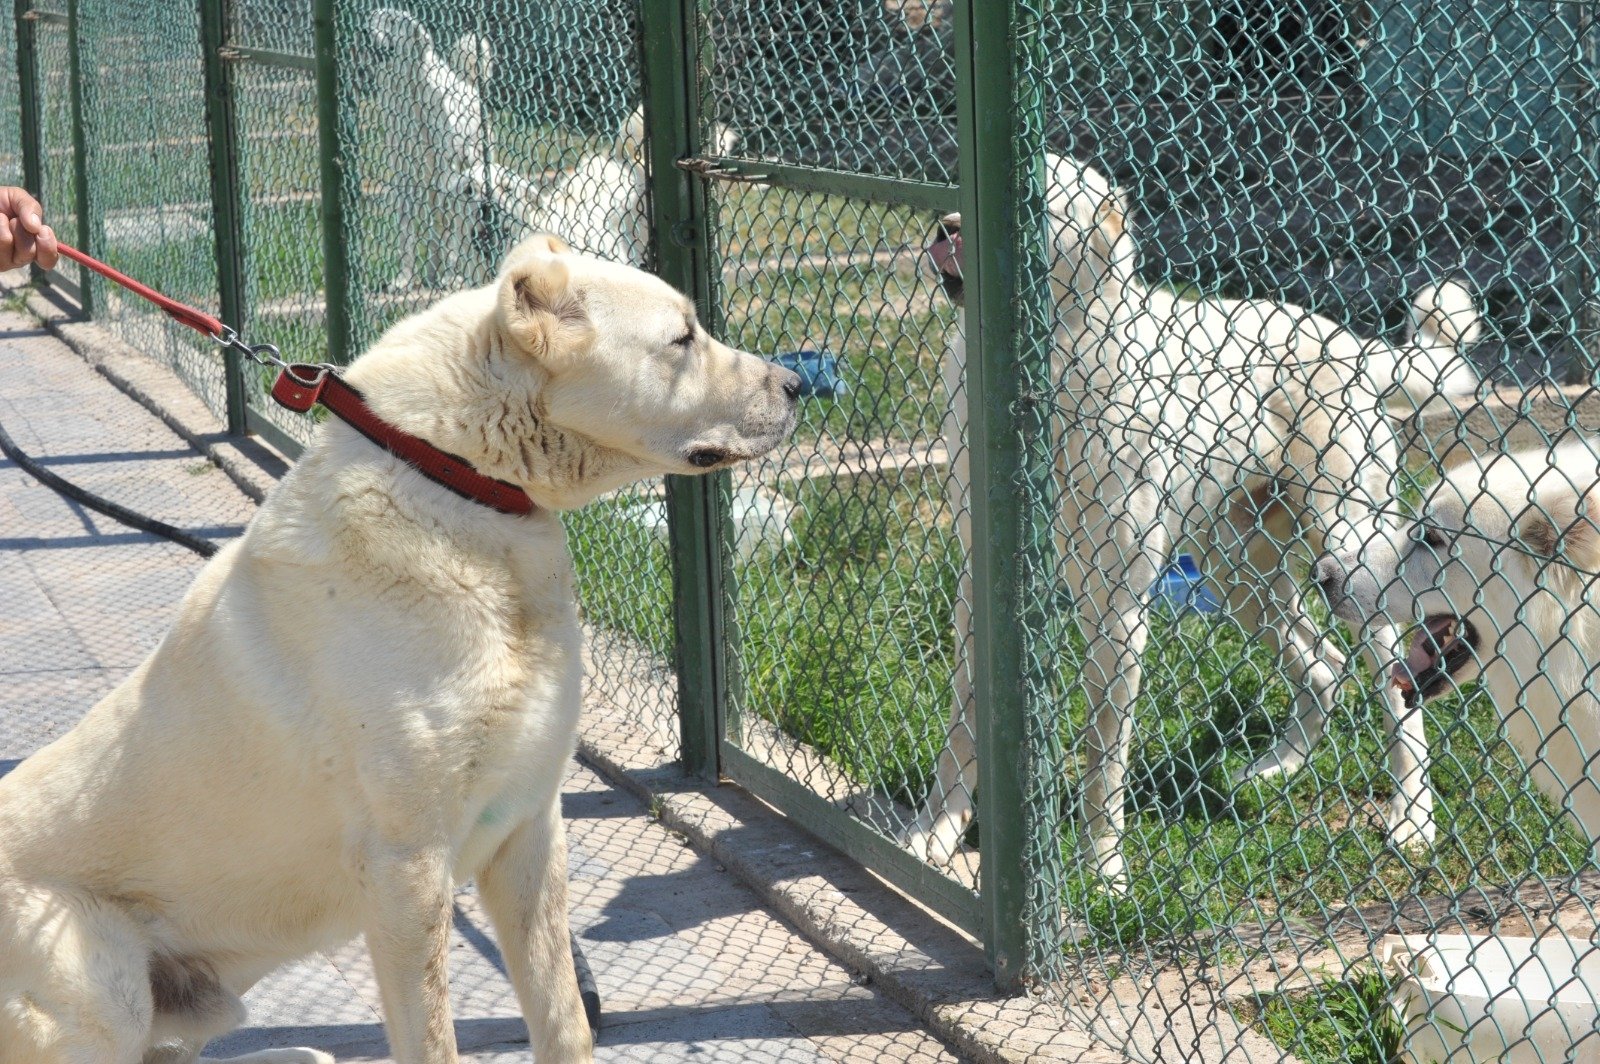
(691, 965)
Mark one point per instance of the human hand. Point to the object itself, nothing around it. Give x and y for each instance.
(24, 237)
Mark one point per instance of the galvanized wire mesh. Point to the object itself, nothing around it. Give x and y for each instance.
(10, 106)
(1252, 805)
(148, 170)
(274, 106)
(54, 102)
(845, 558)
(1248, 245)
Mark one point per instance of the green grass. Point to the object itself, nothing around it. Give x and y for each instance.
(1342, 1022)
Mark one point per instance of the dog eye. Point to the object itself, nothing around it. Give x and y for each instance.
(685, 340)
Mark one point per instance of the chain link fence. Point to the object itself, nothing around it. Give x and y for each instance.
(1147, 588)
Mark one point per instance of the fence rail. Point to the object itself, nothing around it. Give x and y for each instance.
(1216, 263)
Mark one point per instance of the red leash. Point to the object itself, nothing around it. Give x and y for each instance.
(300, 386)
(197, 320)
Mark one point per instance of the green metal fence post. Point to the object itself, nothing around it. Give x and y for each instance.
(215, 16)
(88, 282)
(331, 158)
(28, 98)
(1585, 198)
(682, 242)
(990, 100)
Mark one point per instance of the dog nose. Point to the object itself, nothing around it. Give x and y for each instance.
(791, 384)
(1329, 576)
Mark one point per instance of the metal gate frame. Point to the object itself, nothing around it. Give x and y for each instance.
(988, 44)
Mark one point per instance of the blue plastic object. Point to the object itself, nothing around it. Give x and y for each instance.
(818, 370)
(1181, 587)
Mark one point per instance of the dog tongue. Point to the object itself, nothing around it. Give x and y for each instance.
(1426, 648)
(947, 255)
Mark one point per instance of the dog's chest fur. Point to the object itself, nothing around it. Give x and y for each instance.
(462, 712)
(513, 748)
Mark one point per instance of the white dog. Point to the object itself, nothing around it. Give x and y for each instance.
(451, 193)
(1239, 429)
(1500, 573)
(443, 183)
(370, 696)
(603, 202)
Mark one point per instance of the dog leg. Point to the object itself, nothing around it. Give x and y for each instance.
(74, 979)
(935, 835)
(1109, 570)
(1410, 813)
(1315, 668)
(524, 889)
(409, 937)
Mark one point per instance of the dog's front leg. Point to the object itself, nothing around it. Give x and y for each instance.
(1108, 569)
(408, 933)
(524, 888)
(1410, 813)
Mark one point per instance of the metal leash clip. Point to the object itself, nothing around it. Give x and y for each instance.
(260, 354)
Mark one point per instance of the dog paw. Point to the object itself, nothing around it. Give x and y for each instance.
(1410, 823)
(934, 843)
(1102, 858)
(1285, 759)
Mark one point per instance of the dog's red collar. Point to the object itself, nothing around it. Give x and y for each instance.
(300, 387)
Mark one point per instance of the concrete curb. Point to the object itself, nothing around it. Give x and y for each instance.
(915, 958)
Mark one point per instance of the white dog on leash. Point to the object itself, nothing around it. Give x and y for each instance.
(370, 696)
(1500, 575)
(1241, 429)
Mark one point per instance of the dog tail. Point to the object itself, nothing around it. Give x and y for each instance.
(474, 59)
(1445, 323)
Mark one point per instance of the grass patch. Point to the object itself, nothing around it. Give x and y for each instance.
(1345, 1022)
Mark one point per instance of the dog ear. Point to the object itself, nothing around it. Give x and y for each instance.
(539, 310)
(1563, 528)
(541, 243)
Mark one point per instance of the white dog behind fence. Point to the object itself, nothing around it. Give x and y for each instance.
(438, 185)
(450, 191)
(1239, 429)
(1501, 572)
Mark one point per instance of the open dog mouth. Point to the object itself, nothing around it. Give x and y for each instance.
(1441, 645)
(948, 256)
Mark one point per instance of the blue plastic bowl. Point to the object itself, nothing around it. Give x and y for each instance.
(818, 370)
(1181, 588)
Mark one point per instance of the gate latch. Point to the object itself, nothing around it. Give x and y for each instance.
(719, 171)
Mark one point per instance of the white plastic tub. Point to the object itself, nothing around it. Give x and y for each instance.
(1489, 998)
